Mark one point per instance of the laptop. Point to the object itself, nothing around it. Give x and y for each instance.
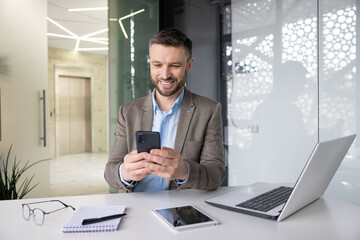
(257, 199)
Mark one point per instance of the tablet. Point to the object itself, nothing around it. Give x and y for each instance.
(185, 217)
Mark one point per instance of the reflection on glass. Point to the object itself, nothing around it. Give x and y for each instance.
(265, 35)
(129, 71)
(181, 216)
(339, 94)
(272, 91)
(338, 86)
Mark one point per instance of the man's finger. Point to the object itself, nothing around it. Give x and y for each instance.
(154, 167)
(164, 152)
(131, 166)
(160, 160)
(131, 158)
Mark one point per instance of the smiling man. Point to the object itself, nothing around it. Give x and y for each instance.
(190, 127)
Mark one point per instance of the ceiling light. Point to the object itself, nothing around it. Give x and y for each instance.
(127, 16)
(87, 9)
(87, 37)
(96, 33)
(60, 35)
(61, 27)
(77, 45)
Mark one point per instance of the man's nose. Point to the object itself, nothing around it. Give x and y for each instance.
(165, 73)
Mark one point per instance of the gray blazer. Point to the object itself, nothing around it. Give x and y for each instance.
(198, 139)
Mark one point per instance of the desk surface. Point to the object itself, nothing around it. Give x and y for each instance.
(327, 218)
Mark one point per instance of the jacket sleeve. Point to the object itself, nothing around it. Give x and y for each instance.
(117, 154)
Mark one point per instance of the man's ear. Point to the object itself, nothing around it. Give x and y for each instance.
(189, 65)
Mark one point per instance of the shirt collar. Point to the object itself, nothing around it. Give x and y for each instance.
(176, 104)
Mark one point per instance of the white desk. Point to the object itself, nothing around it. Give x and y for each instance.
(327, 218)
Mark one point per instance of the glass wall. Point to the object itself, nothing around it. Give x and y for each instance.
(131, 24)
(290, 73)
(339, 108)
(272, 94)
(24, 84)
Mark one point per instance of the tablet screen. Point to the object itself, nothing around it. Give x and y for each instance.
(184, 217)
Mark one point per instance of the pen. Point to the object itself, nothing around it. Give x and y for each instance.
(101, 219)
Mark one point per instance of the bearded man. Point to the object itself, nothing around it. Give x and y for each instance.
(190, 127)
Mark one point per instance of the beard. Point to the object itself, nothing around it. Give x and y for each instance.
(169, 92)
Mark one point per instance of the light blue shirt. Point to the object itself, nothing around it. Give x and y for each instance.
(166, 124)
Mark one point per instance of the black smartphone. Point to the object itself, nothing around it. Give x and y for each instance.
(147, 140)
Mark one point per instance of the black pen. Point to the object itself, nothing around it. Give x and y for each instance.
(101, 219)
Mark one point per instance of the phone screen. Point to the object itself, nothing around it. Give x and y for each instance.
(184, 217)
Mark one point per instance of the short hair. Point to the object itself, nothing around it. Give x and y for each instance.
(173, 37)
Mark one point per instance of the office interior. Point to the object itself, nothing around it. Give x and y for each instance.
(283, 70)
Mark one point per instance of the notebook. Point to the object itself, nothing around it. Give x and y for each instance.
(311, 184)
(85, 212)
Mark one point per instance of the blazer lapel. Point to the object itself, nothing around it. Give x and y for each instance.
(186, 113)
(147, 114)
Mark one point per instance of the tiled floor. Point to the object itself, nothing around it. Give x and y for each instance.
(78, 174)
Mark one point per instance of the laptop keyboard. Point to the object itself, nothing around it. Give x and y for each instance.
(269, 200)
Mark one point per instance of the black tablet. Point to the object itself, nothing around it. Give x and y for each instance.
(185, 217)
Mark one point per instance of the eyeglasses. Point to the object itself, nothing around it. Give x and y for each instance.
(39, 214)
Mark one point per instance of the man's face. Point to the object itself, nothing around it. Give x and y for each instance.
(168, 68)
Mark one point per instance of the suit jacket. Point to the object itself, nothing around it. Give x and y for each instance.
(198, 139)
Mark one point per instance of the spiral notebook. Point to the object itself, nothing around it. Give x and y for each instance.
(75, 223)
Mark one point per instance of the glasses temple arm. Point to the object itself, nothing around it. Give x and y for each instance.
(65, 205)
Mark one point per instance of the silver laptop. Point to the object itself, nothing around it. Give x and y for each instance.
(258, 199)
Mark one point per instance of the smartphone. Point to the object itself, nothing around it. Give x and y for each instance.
(147, 140)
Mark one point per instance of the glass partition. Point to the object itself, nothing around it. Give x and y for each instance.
(339, 94)
(131, 24)
(290, 68)
(272, 91)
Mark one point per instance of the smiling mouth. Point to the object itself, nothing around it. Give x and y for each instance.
(166, 82)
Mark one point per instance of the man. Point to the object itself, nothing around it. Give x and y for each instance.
(191, 154)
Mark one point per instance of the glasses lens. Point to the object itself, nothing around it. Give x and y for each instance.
(38, 216)
(26, 212)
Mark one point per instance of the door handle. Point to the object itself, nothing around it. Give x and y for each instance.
(0, 117)
(43, 99)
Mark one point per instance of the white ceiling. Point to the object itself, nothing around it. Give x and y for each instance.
(78, 23)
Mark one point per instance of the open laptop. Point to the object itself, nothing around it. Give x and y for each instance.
(312, 183)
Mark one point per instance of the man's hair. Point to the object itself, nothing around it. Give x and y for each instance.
(173, 37)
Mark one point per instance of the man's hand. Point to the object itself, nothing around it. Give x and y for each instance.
(166, 163)
(134, 167)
